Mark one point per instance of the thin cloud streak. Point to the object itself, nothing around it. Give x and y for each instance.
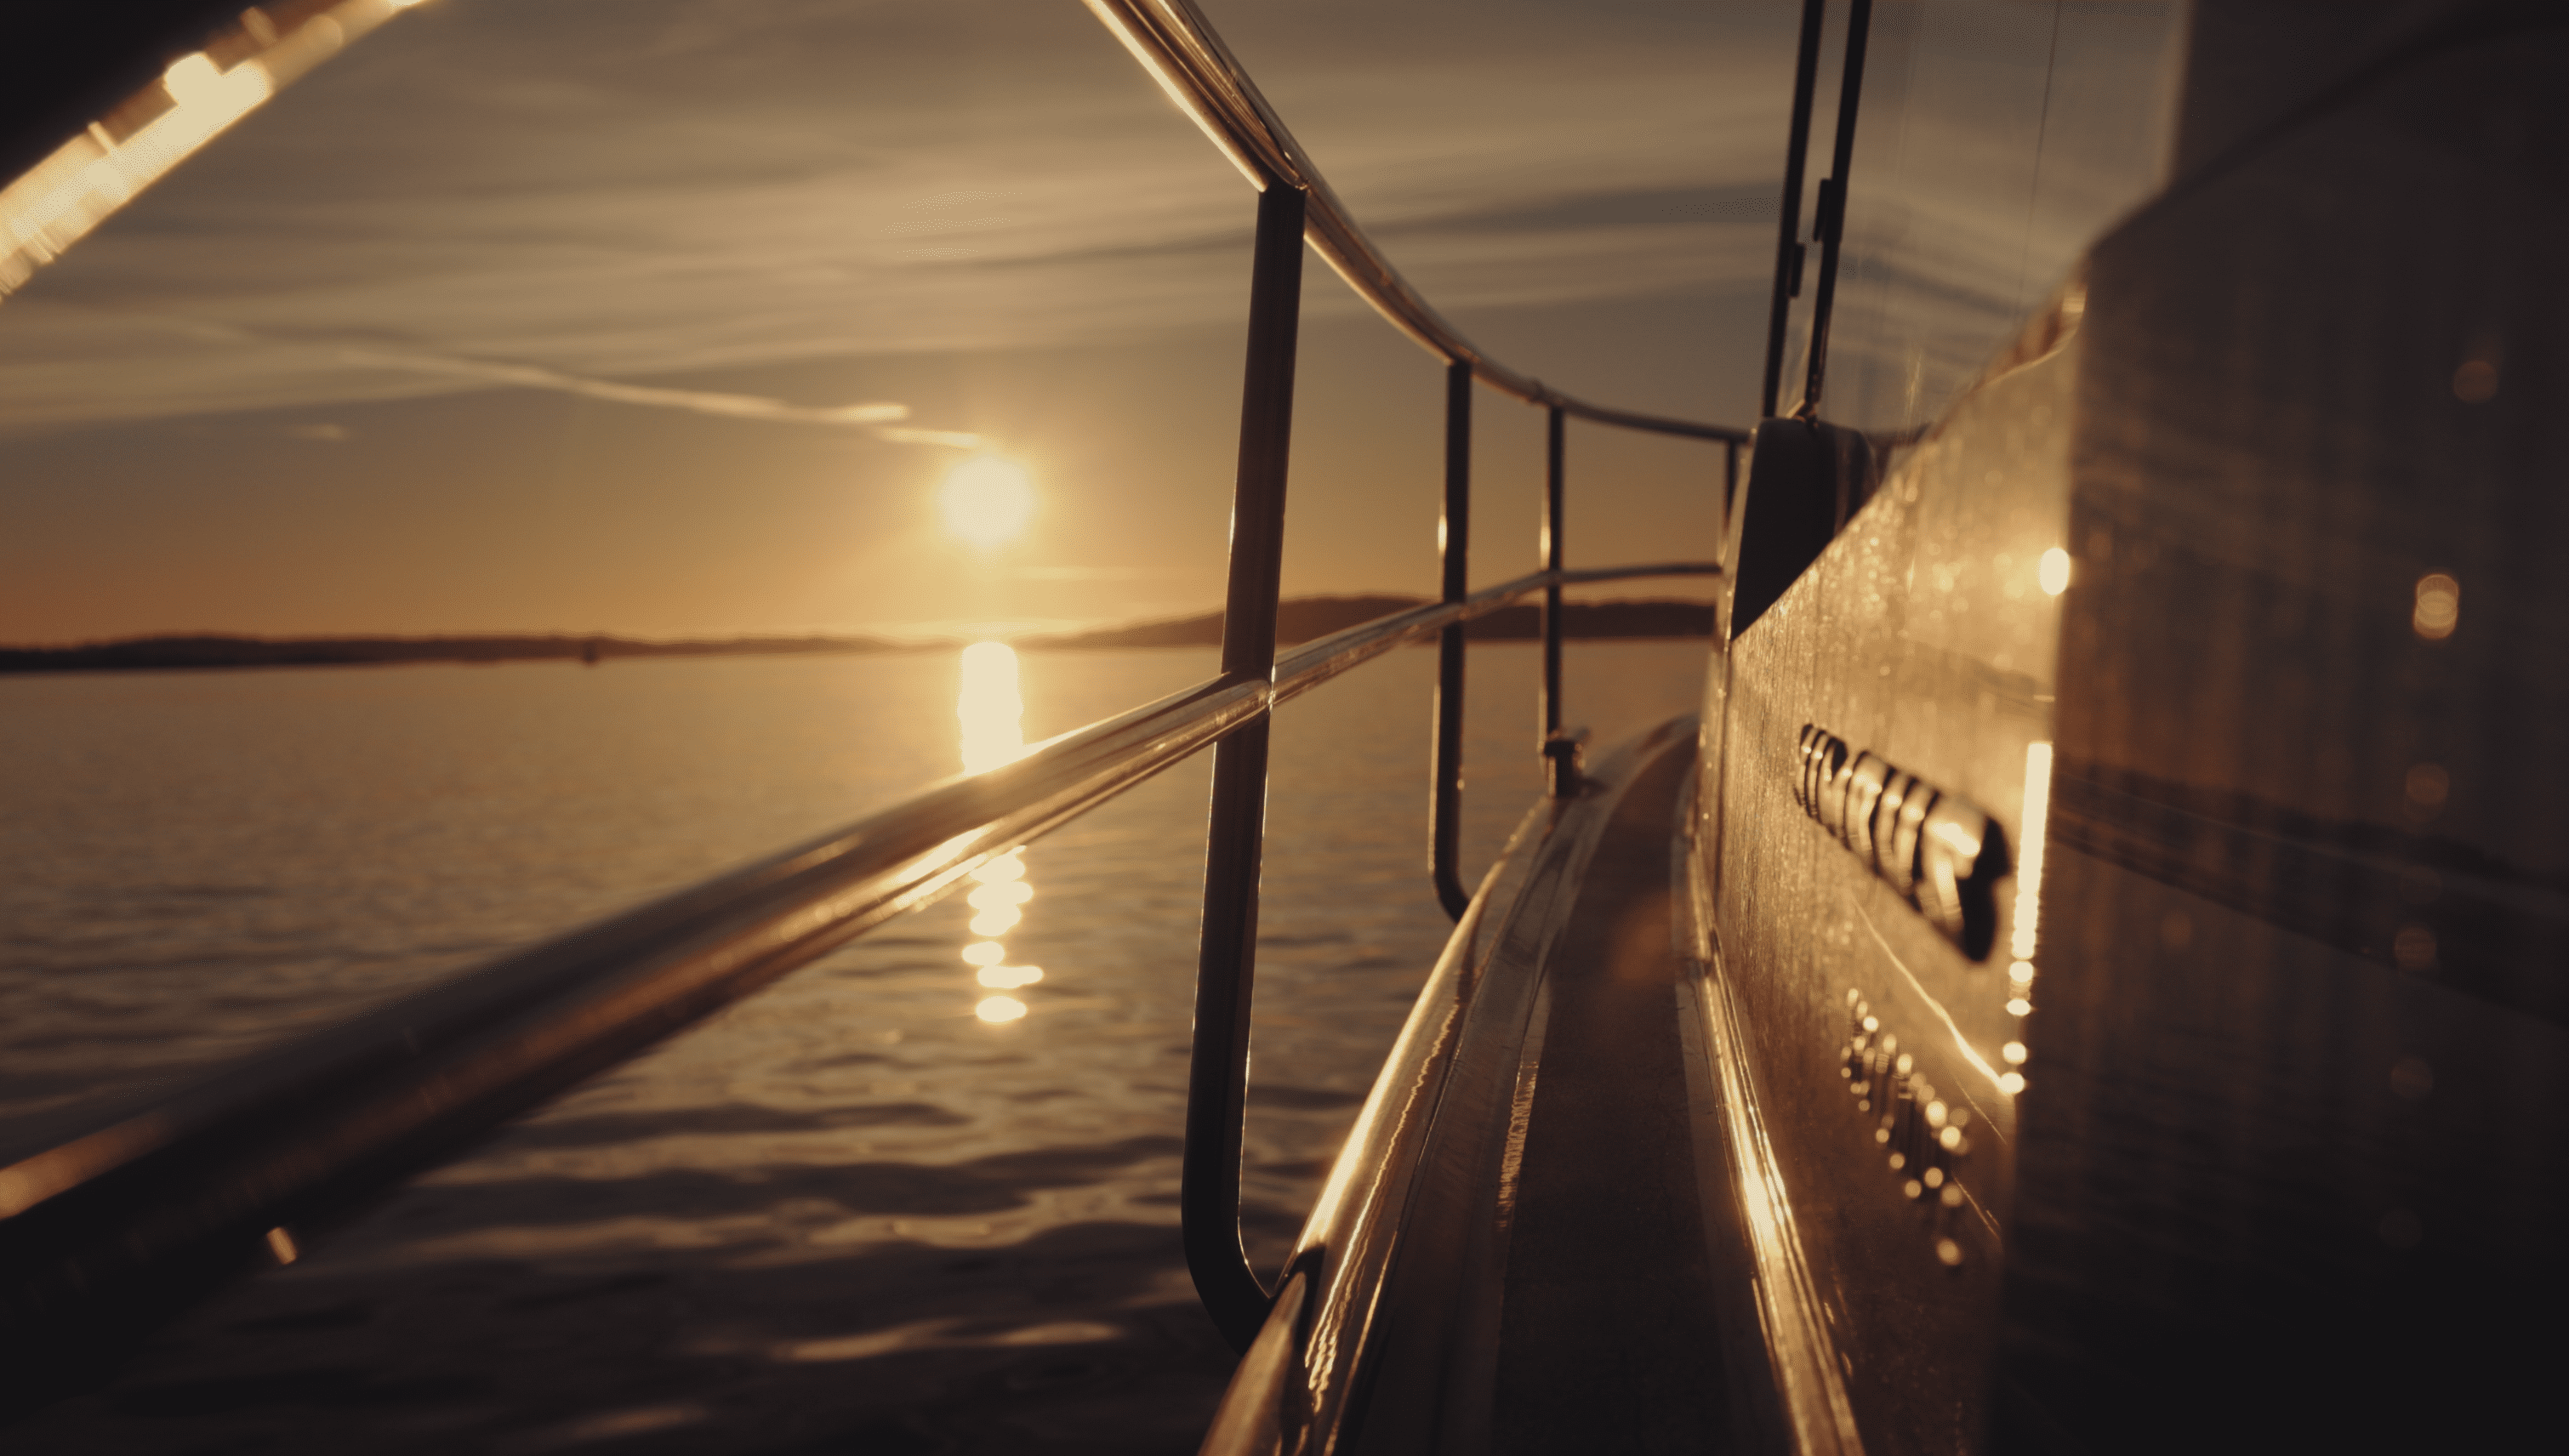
(510, 188)
(876, 417)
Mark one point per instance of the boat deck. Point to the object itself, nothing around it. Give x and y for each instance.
(1607, 1341)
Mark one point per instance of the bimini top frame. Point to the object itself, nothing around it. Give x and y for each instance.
(106, 1230)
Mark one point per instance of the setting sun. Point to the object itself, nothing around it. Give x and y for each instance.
(987, 500)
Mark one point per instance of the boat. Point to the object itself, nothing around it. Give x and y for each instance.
(2092, 977)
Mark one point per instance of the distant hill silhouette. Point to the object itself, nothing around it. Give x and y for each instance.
(226, 652)
(1297, 621)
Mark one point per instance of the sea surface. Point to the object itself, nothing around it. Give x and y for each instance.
(853, 1213)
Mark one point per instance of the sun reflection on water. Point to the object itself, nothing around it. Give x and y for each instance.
(987, 703)
(991, 712)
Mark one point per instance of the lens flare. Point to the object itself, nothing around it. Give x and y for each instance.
(996, 1009)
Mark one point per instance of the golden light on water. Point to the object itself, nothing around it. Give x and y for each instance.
(992, 714)
(987, 500)
(991, 711)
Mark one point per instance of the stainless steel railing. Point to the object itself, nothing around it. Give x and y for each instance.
(1171, 38)
(105, 1232)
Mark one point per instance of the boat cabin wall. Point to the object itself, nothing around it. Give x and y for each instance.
(2226, 599)
(1896, 703)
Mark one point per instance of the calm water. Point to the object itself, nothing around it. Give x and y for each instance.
(851, 1215)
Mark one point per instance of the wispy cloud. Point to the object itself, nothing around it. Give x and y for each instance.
(551, 184)
(877, 417)
(1086, 574)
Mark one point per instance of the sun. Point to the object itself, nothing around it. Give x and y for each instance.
(987, 500)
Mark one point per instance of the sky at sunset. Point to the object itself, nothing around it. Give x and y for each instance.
(538, 315)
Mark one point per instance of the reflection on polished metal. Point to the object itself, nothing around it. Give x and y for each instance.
(2032, 825)
(1407, 1196)
(1924, 1141)
(94, 172)
(1217, 1065)
(1453, 553)
(1941, 854)
(1177, 46)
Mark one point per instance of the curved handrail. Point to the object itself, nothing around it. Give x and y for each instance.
(1174, 42)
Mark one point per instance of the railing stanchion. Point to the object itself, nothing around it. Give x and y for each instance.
(1730, 485)
(1552, 557)
(1789, 253)
(1453, 546)
(1217, 1071)
(1831, 224)
(1560, 753)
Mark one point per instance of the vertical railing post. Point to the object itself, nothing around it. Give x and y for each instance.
(1788, 240)
(1453, 546)
(1831, 224)
(1729, 488)
(1559, 754)
(1552, 556)
(1217, 1072)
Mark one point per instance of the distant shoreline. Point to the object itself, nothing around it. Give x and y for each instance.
(1297, 621)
